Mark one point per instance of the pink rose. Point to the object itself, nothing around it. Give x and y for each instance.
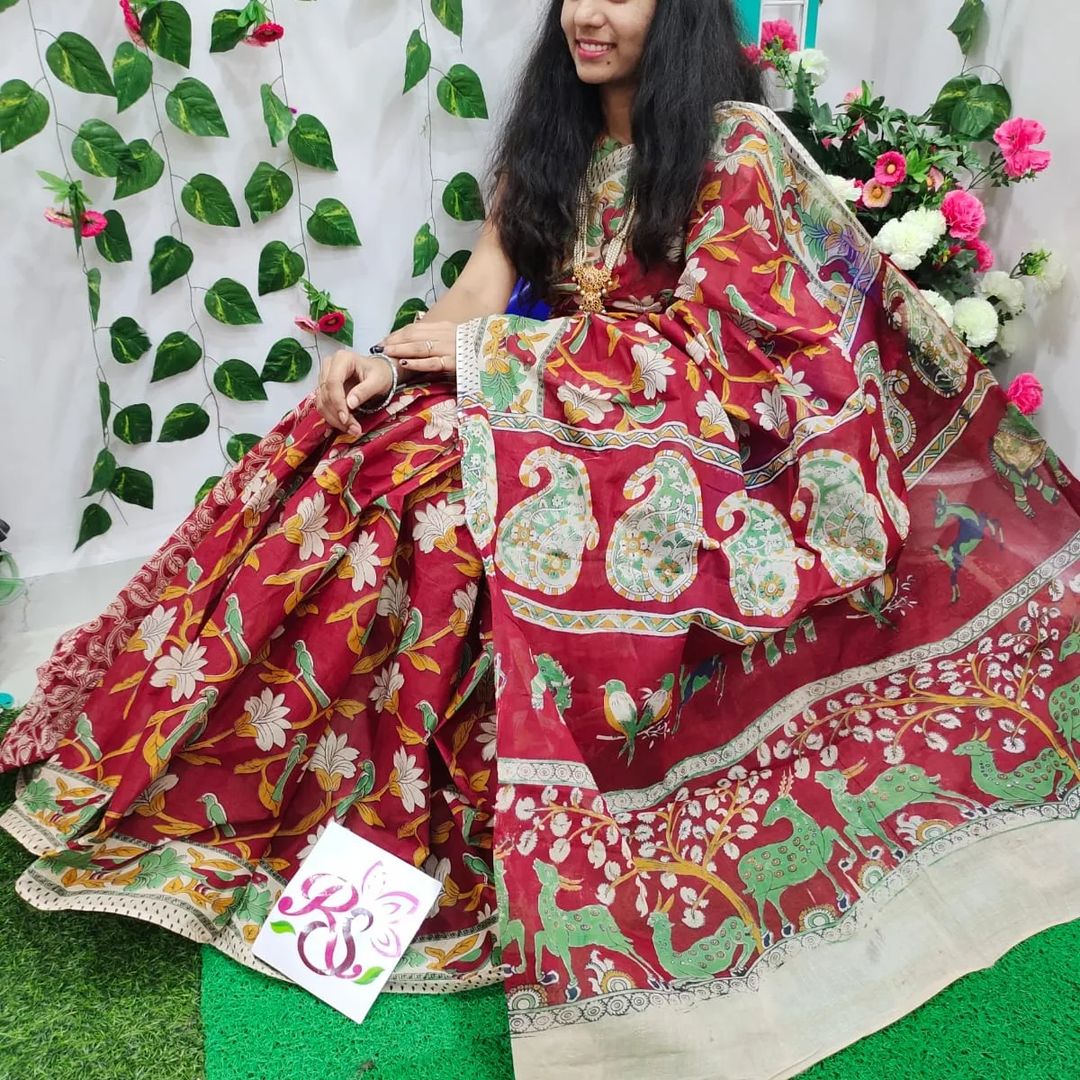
(983, 254)
(93, 223)
(331, 322)
(1016, 137)
(265, 33)
(1026, 393)
(965, 216)
(782, 29)
(891, 168)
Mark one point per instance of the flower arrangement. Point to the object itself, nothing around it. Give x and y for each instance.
(913, 181)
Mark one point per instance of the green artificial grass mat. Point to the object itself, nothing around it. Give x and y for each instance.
(91, 997)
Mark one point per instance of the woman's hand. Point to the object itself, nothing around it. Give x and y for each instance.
(347, 381)
(428, 347)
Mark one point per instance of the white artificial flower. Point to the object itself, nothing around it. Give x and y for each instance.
(976, 320)
(154, 629)
(1015, 336)
(814, 62)
(1009, 290)
(180, 670)
(908, 239)
(268, 715)
(939, 304)
(1051, 275)
(584, 403)
(846, 190)
(931, 223)
(437, 525)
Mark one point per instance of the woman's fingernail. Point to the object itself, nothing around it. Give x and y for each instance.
(343, 417)
(404, 363)
(375, 349)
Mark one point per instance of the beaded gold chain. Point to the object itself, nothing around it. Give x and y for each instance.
(594, 281)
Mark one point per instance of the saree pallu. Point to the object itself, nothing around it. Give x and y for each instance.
(719, 653)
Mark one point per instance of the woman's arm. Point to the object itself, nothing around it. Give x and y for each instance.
(349, 379)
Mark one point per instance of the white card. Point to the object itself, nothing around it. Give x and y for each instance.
(345, 920)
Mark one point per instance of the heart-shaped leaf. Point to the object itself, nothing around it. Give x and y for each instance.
(99, 148)
(417, 60)
(980, 113)
(230, 302)
(77, 63)
(104, 471)
(134, 424)
(133, 72)
(139, 172)
(288, 362)
(171, 260)
(332, 224)
(310, 142)
(104, 404)
(967, 23)
(278, 115)
(425, 248)
(207, 200)
(113, 244)
(133, 486)
(268, 191)
(454, 265)
(192, 107)
(186, 421)
(462, 198)
(95, 522)
(128, 340)
(460, 93)
(450, 14)
(23, 113)
(279, 267)
(227, 30)
(177, 353)
(93, 292)
(240, 444)
(238, 380)
(406, 314)
(208, 485)
(166, 28)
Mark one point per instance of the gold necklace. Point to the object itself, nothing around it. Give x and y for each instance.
(594, 281)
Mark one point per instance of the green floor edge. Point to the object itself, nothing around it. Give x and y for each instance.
(94, 997)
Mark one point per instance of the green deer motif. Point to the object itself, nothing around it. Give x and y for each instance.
(706, 956)
(894, 789)
(805, 625)
(550, 678)
(1030, 782)
(768, 871)
(511, 931)
(588, 927)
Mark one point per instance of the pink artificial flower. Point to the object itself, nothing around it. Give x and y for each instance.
(94, 223)
(983, 254)
(1016, 137)
(1026, 393)
(855, 128)
(828, 142)
(331, 322)
(935, 178)
(753, 54)
(876, 195)
(891, 168)
(131, 21)
(309, 325)
(965, 216)
(265, 34)
(782, 29)
(853, 95)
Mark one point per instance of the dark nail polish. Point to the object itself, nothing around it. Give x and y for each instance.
(376, 349)
(404, 363)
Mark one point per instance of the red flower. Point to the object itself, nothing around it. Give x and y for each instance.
(1016, 137)
(753, 54)
(266, 34)
(983, 254)
(782, 29)
(1026, 393)
(331, 322)
(131, 21)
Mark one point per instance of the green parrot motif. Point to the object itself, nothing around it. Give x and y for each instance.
(234, 628)
(215, 814)
(85, 734)
(306, 667)
(429, 716)
(365, 784)
(296, 751)
(193, 571)
(191, 726)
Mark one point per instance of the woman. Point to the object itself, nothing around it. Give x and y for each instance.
(716, 610)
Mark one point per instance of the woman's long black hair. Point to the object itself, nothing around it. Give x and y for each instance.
(692, 60)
